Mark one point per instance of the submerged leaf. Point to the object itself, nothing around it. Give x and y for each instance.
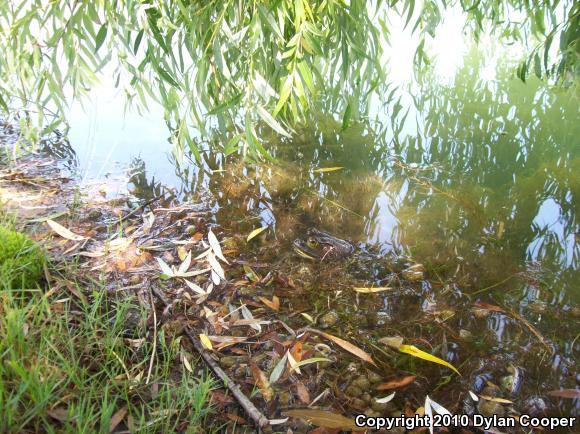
(328, 169)
(353, 349)
(256, 232)
(372, 290)
(395, 384)
(386, 399)
(565, 393)
(416, 352)
(64, 232)
(323, 418)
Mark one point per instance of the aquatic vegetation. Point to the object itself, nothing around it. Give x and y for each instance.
(21, 259)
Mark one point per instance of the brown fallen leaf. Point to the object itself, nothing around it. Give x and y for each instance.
(302, 393)
(296, 351)
(565, 393)
(237, 419)
(274, 304)
(494, 399)
(59, 413)
(323, 418)
(117, 418)
(395, 384)
(353, 349)
(262, 382)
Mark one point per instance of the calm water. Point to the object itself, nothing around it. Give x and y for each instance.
(471, 172)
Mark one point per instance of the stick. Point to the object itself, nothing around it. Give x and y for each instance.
(154, 338)
(256, 415)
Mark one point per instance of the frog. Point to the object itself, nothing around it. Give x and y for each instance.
(321, 246)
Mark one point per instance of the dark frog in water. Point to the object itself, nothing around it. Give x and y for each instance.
(321, 246)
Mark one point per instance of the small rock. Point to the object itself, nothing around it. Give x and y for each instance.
(371, 413)
(328, 320)
(535, 406)
(228, 362)
(490, 408)
(285, 398)
(353, 391)
(362, 382)
(359, 404)
(366, 397)
(382, 407)
(374, 378)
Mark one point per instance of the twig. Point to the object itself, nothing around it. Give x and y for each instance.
(535, 332)
(154, 337)
(140, 207)
(256, 415)
(495, 285)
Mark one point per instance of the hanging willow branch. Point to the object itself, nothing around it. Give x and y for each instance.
(233, 64)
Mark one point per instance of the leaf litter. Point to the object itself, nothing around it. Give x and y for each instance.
(288, 365)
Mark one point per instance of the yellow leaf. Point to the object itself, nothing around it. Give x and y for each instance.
(256, 232)
(328, 169)
(307, 316)
(371, 290)
(64, 232)
(204, 339)
(187, 365)
(416, 352)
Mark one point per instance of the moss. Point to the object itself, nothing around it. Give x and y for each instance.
(21, 260)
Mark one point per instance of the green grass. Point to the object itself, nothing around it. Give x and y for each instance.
(68, 364)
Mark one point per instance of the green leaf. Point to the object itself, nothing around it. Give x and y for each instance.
(101, 35)
(284, 94)
(328, 169)
(273, 123)
(3, 104)
(267, 15)
(138, 41)
(537, 65)
(165, 75)
(231, 146)
(346, 116)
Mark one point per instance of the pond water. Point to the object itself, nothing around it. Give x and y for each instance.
(464, 169)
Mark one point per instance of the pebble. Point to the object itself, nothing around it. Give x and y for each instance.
(362, 382)
(382, 407)
(284, 398)
(374, 378)
(353, 391)
(490, 408)
(329, 319)
(227, 362)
